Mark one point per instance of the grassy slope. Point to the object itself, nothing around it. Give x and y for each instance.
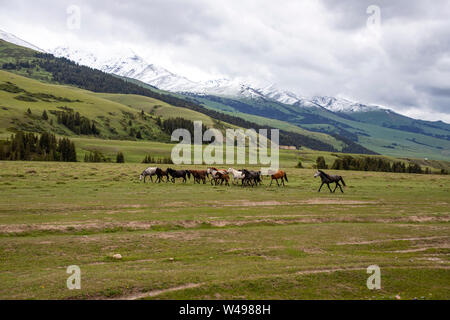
(13, 111)
(233, 242)
(98, 107)
(378, 137)
(157, 107)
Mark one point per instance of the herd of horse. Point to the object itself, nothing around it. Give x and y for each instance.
(214, 175)
(221, 176)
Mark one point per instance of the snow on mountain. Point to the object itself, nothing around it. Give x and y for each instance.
(342, 105)
(133, 66)
(17, 41)
(282, 96)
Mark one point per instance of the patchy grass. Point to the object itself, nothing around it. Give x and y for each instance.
(204, 241)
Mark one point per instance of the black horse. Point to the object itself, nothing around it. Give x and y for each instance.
(160, 173)
(251, 177)
(178, 174)
(327, 179)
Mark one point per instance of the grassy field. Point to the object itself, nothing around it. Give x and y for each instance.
(186, 241)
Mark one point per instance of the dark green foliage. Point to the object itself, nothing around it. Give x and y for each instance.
(171, 124)
(320, 163)
(45, 115)
(29, 111)
(28, 146)
(374, 164)
(139, 135)
(299, 164)
(96, 156)
(150, 159)
(77, 123)
(120, 158)
(10, 87)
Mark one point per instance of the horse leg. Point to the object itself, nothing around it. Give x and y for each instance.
(340, 187)
(282, 180)
(277, 182)
(329, 187)
(321, 186)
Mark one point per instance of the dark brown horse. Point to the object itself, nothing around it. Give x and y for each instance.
(160, 173)
(327, 179)
(178, 174)
(199, 175)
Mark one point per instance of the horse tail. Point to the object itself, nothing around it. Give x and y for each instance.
(342, 179)
(285, 176)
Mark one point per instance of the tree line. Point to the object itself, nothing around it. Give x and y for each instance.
(77, 123)
(370, 164)
(171, 124)
(32, 147)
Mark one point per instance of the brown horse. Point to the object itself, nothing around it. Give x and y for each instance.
(280, 174)
(217, 175)
(223, 176)
(199, 175)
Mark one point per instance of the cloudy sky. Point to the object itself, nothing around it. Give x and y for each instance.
(391, 53)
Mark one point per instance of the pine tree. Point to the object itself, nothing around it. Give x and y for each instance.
(29, 111)
(320, 163)
(44, 115)
(120, 158)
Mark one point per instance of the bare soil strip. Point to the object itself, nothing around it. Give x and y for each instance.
(389, 240)
(155, 293)
(190, 224)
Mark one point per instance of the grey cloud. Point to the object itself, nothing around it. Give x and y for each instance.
(313, 47)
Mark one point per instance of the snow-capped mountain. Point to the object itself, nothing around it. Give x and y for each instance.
(133, 66)
(342, 105)
(282, 96)
(17, 41)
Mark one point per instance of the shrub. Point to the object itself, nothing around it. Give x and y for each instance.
(120, 158)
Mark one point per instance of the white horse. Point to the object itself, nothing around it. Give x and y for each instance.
(237, 175)
(148, 172)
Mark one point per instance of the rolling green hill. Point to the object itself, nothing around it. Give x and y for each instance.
(114, 115)
(59, 70)
(380, 131)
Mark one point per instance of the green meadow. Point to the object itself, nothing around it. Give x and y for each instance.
(186, 241)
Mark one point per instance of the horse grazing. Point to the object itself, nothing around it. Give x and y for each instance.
(199, 175)
(327, 179)
(237, 175)
(280, 174)
(251, 177)
(217, 175)
(149, 172)
(160, 173)
(178, 174)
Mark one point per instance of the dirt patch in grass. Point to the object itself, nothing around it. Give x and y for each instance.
(154, 293)
(389, 240)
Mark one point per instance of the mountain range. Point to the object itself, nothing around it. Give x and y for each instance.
(135, 67)
(345, 122)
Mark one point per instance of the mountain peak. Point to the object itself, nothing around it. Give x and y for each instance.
(9, 37)
(342, 105)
